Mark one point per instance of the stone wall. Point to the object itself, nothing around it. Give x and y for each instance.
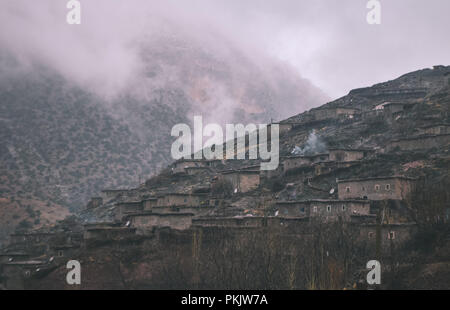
(342, 155)
(145, 222)
(180, 199)
(243, 180)
(419, 143)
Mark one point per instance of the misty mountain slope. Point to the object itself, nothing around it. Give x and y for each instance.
(63, 143)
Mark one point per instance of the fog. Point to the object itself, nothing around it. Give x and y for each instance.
(327, 42)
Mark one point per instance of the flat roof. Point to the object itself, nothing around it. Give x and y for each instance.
(420, 137)
(348, 149)
(322, 200)
(305, 156)
(376, 178)
(435, 125)
(240, 171)
(160, 214)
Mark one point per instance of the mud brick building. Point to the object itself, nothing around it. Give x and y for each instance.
(196, 210)
(419, 143)
(390, 234)
(344, 155)
(330, 166)
(334, 113)
(149, 203)
(123, 208)
(181, 165)
(181, 200)
(242, 180)
(435, 129)
(106, 231)
(299, 161)
(376, 188)
(145, 221)
(236, 221)
(15, 274)
(326, 209)
(195, 170)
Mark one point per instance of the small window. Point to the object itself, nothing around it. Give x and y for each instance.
(314, 209)
(343, 207)
(363, 189)
(347, 189)
(60, 253)
(377, 187)
(328, 208)
(391, 235)
(302, 210)
(370, 235)
(388, 187)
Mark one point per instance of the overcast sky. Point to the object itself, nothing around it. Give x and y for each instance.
(328, 42)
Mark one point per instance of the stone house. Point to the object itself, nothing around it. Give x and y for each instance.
(124, 208)
(435, 129)
(242, 180)
(181, 200)
(16, 274)
(145, 221)
(196, 210)
(299, 161)
(180, 165)
(334, 113)
(195, 170)
(234, 222)
(107, 231)
(376, 188)
(149, 203)
(419, 143)
(322, 168)
(30, 239)
(344, 155)
(395, 234)
(324, 208)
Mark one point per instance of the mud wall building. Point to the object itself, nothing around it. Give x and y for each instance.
(419, 143)
(124, 208)
(181, 200)
(344, 155)
(395, 234)
(333, 113)
(377, 188)
(299, 161)
(149, 203)
(146, 221)
(436, 129)
(327, 209)
(242, 180)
